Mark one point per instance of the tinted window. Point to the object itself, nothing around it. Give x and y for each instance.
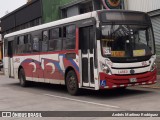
(45, 41)
(36, 44)
(28, 44)
(21, 40)
(55, 42)
(45, 35)
(21, 44)
(55, 33)
(28, 39)
(86, 39)
(69, 33)
(36, 38)
(6, 47)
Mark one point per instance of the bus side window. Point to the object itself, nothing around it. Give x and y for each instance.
(15, 46)
(28, 43)
(55, 42)
(21, 44)
(69, 37)
(45, 41)
(36, 44)
(36, 38)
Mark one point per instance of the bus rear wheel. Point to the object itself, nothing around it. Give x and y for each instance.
(22, 78)
(72, 83)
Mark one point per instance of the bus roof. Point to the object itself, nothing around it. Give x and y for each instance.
(51, 24)
(64, 21)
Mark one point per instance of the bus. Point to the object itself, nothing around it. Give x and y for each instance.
(104, 49)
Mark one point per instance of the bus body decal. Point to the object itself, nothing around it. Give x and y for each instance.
(57, 67)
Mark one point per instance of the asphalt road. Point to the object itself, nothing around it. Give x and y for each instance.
(46, 97)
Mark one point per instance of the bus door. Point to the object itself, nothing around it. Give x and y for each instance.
(86, 45)
(10, 59)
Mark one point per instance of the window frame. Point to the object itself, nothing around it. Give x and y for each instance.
(65, 37)
(28, 41)
(36, 34)
(19, 45)
(45, 40)
(59, 38)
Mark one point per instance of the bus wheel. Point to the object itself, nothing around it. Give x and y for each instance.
(72, 83)
(22, 78)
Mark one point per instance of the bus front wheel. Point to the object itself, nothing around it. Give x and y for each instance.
(72, 83)
(22, 78)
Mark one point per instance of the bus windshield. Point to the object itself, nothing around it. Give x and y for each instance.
(127, 41)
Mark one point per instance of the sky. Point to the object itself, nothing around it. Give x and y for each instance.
(10, 5)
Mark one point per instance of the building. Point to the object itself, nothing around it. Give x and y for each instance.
(37, 12)
(152, 7)
(26, 16)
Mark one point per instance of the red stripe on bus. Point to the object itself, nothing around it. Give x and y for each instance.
(77, 38)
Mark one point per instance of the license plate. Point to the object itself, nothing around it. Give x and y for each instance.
(133, 80)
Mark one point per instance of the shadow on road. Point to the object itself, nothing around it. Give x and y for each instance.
(115, 93)
(102, 94)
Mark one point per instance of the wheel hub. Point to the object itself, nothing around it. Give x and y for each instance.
(72, 83)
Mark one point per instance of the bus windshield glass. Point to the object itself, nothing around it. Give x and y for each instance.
(127, 41)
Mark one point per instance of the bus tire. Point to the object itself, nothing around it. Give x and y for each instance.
(72, 83)
(22, 78)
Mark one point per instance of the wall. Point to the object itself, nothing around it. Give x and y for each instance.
(148, 6)
(23, 17)
(52, 12)
(142, 5)
(51, 9)
(72, 11)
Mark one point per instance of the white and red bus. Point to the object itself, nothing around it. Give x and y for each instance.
(97, 50)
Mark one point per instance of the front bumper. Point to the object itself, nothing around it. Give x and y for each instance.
(116, 81)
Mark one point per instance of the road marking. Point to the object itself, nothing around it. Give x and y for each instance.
(82, 101)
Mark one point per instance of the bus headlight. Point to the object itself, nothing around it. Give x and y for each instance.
(105, 69)
(153, 67)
